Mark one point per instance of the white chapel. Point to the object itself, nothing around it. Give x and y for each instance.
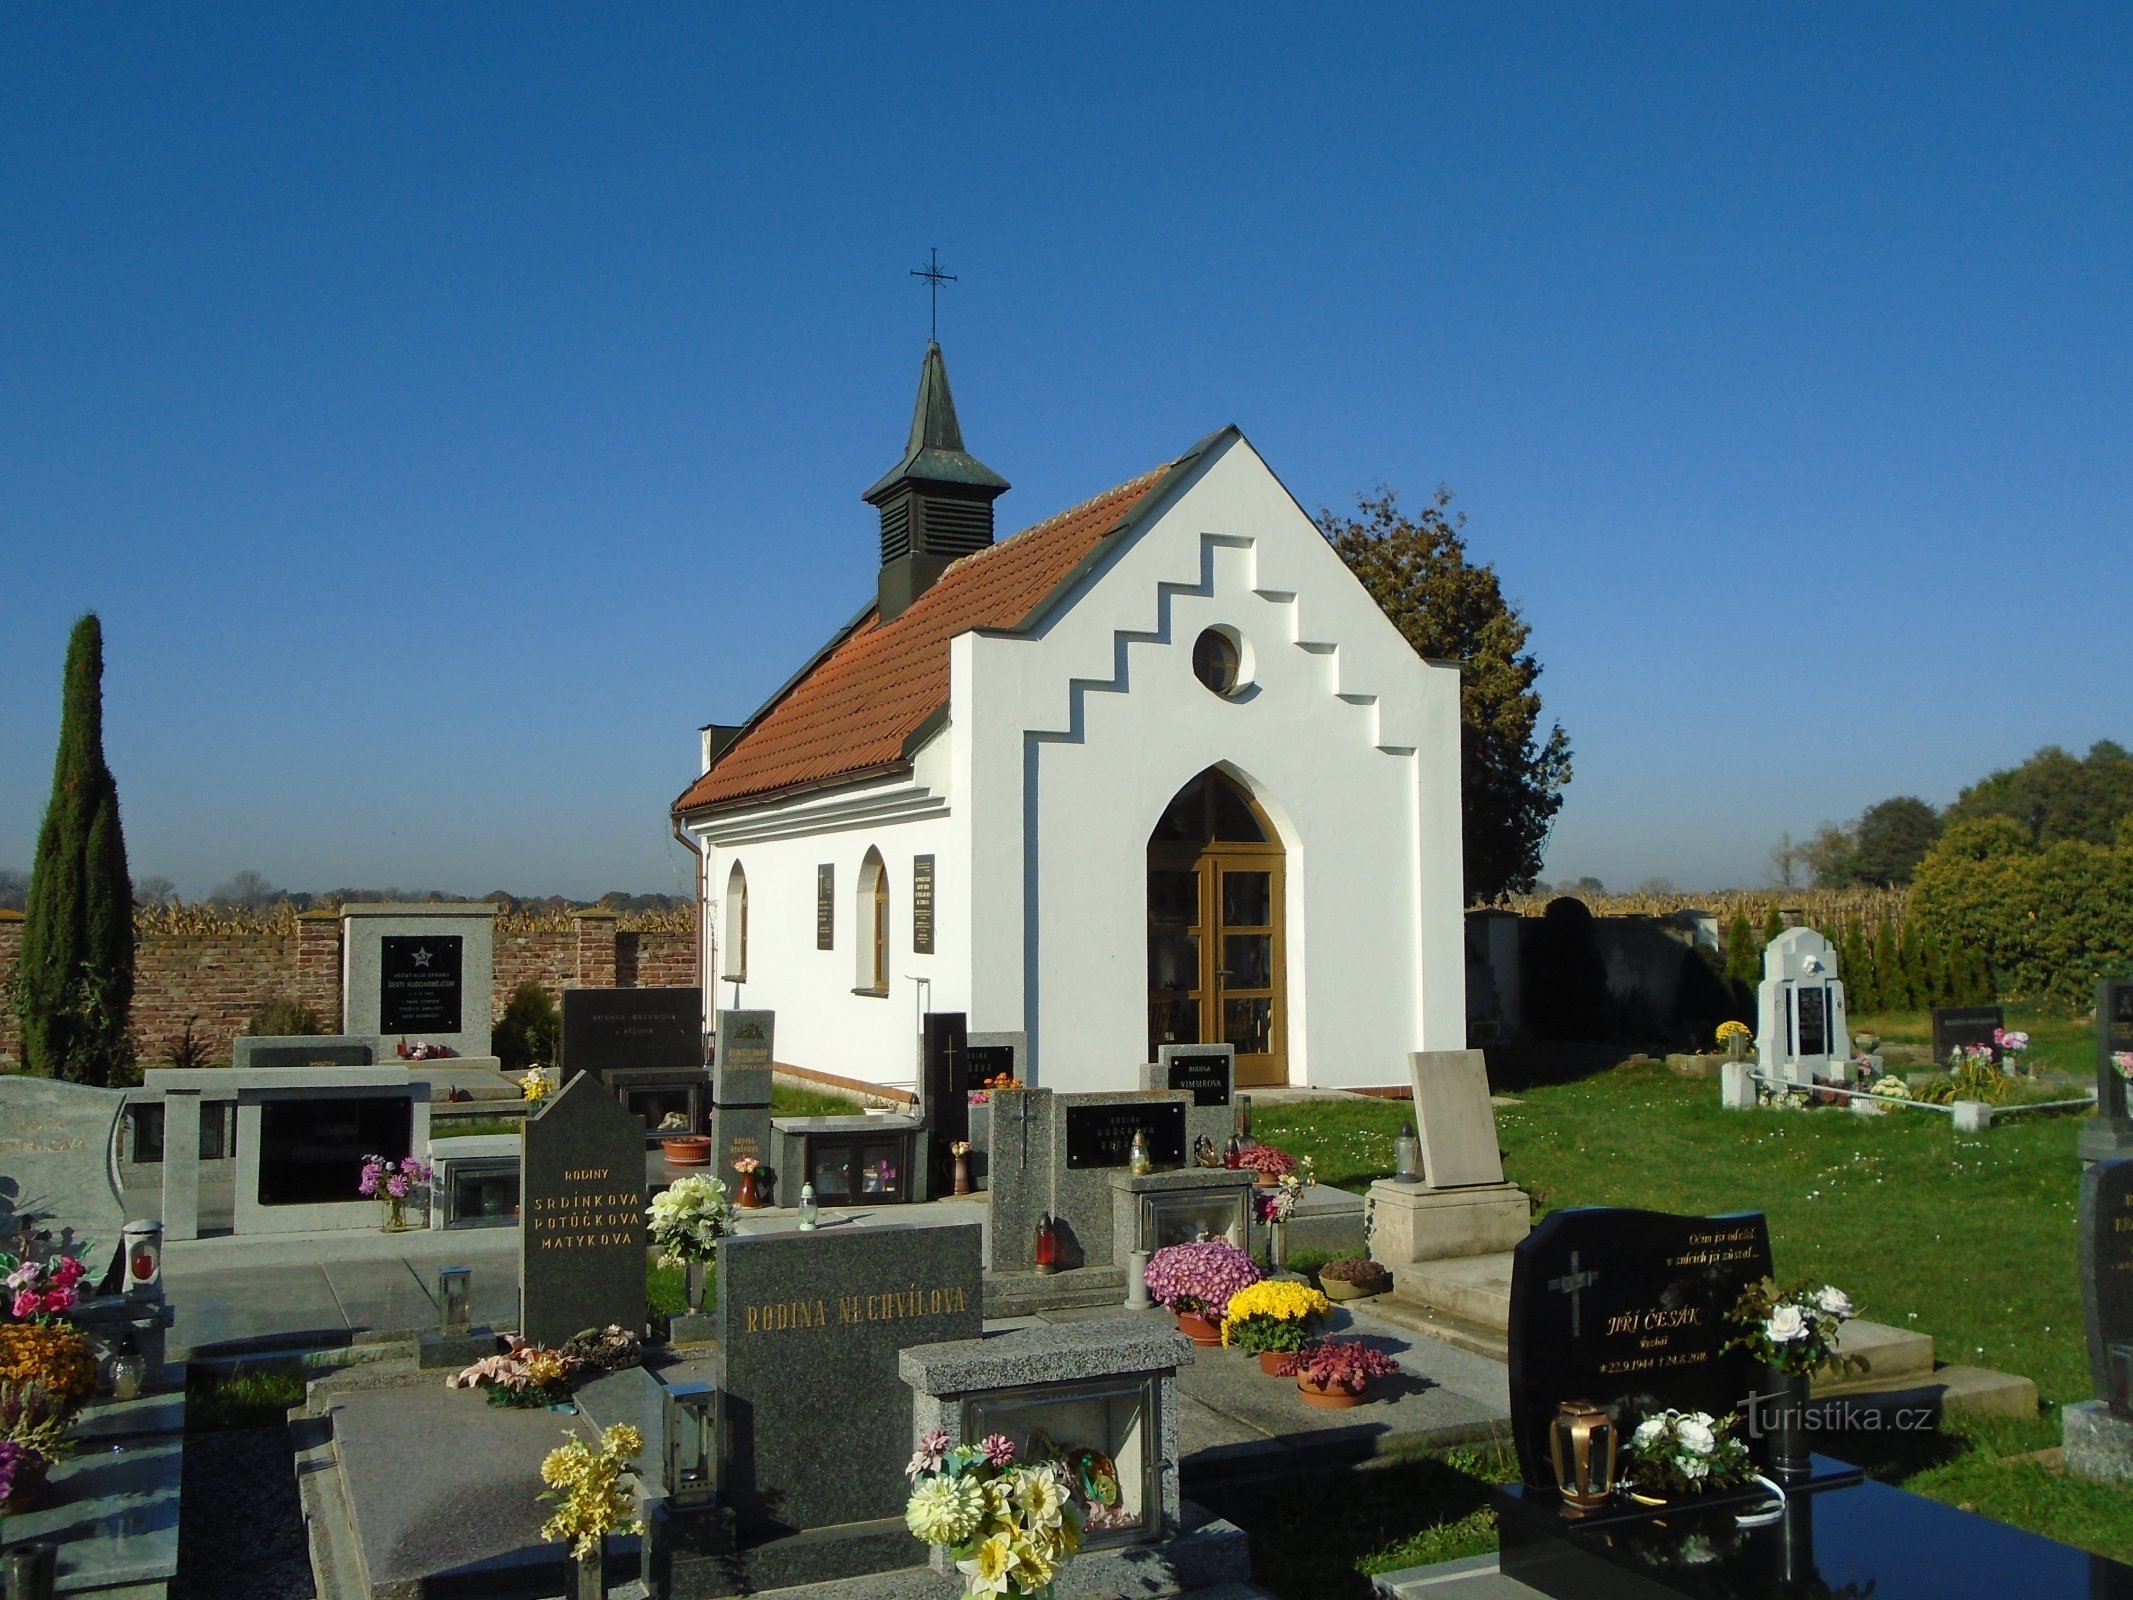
(1156, 769)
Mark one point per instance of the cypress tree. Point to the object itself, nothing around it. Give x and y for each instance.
(1912, 956)
(1773, 925)
(74, 987)
(1888, 972)
(1854, 968)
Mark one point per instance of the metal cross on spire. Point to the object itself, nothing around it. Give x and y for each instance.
(934, 277)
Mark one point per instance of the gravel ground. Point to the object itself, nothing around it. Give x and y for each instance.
(242, 1537)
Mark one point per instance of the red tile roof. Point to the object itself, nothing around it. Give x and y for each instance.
(853, 709)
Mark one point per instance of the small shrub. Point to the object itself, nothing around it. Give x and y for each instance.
(526, 1034)
(283, 1016)
(188, 1051)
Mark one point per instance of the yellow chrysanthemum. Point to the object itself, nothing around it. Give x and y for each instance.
(1276, 1298)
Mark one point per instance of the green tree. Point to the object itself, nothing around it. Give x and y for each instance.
(1856, 969)
(1453, 609)
(1827, 856)
(1889, 986)
(74, 984)
(2056, 796)
(1890, 839)
(527, 1034)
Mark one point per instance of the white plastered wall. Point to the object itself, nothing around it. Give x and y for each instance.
(1069, 742)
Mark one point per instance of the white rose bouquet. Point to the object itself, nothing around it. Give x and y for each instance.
(1687, 1452)
(688, 1218)
(1793, 1329)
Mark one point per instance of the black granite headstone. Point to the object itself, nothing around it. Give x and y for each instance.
(988, 1061)
(2114, 1036)
(311, 1150)
(581, 1215)
(944, 1057)
(1206, 1076)
(418, 982)
(1102, 1135)
(815, 1419)
(1956, 1026)
(637, 1029)
(1627, 1309)
(2107, 1280)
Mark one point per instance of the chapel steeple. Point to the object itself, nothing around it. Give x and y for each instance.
(935, 504)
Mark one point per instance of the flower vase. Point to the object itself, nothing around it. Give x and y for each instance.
(1783, 1416)
(395, 1214)
(693, 1274)
(1737, 1047)
(588, 1573)
(747, 1196)
(962, 1174)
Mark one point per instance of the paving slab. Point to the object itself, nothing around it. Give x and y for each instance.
(1470, 1578)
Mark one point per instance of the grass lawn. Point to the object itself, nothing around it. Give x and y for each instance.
(1968, 1237)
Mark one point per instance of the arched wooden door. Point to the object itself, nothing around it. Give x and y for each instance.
(1216, 968)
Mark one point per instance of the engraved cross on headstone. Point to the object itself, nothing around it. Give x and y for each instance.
(1574, 1283)
(1020, 1110)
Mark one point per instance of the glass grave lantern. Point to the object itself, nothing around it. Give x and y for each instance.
(1102, 1432)
(691, 1443)
(455, 1298)
(1582, 1443)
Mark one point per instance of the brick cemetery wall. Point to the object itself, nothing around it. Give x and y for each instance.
(213, 968)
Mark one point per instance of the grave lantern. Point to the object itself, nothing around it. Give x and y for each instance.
(1582, 1443)
(692, 1443)
(1046, 1253)
(1406, 1155)
(144, 1260)
(455, 1295)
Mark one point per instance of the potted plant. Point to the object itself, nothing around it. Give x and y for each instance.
(1792, 1331)
(591, 1502)
(22, 1478)
(1196, 1281)
(1336, 1373)
(1685, 1453)
(688, 1217)
(1010, 1525)
(1734, 1037)
(520, 1375)
(1272, 1319)
(1353, 1278)
(1272, 1165)
(683, 1148)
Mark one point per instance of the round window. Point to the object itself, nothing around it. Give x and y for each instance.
(1218, 661)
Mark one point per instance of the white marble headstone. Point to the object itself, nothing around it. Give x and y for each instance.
(1453, 1118)
(1800, 1027)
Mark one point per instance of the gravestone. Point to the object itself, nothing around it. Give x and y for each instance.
(991, 1055)
(944, 1087)
(606, 1030)
(1454, 1119)
(420, 972)
(2109, 1134)
(815, 1420)
(2106, 1228)
(1101, 1135)
(581, 1216)
(1057, 1155)
(1206, 1072)
(56, 1166)
(1957, 1026)
(1627, 1309)
(1801, 1035)
(740, 1090)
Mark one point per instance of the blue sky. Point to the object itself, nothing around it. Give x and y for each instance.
(449, 408)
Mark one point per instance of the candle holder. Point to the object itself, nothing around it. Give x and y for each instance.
(455, 1298)
(692, 1443)
(1582, 1444)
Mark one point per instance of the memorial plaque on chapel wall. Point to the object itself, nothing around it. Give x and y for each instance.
(609, 1029)
(1956, 1026)
(2107, 1279)
(581, 1215)
(418, 983)
(815, 1419)
(1627, 1309)
(1206, 1078)
(1102, 1135)
(825, 907)
(922, 905)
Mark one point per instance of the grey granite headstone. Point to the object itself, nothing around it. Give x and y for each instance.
(815, 1421)
(2106, 1227)
(57, 1172)
(581, 1216)
(1208, 1072)
(1018, 1173)
(423, 972)
(740, 1092)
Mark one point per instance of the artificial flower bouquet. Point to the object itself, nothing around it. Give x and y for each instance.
(688, 1218)
(1346, 1364)
(35, 1416)
(586, 1486)
(1278, 1204)
(1199, 1278)
(2122, 1062)
(748, 1164)
(423, 1050)
(534, 1086)
(520, 1375)
(1010, 1525)
(1793, 1329)
(389, 1180)
(40, 1290)
(1687, 1452)
(1273, 1315)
